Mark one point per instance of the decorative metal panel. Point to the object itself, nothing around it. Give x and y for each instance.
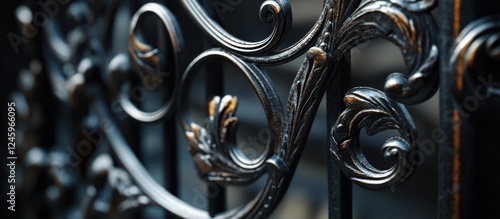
(80, 71)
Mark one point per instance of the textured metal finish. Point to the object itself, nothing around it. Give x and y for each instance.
(371, 109)
(83, 66)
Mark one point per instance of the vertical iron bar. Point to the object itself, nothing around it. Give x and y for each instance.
(170, 156)
(467, 155)
(167, 72)
(170, 138)
(339, 186)
(214, 87)
(448, 32)
(167, 173)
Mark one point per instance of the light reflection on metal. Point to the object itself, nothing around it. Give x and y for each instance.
(147, 59)
(371, 109)
(214, 147)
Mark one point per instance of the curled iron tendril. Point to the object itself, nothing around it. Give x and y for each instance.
(214, 147)
(371, 109)
(146, 61)
(411, 31)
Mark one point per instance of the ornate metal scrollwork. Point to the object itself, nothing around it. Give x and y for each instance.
(341, 26)
(411, 31)
(371, 109)
(147, 61)
(214, 147)
(277, 11)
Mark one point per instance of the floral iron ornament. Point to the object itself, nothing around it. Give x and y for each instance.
(346, 24)
(341, 26)
(370, 108)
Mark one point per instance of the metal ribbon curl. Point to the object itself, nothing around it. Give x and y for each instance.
(277, 11)
(214, 148)
(371, 109)
(411, 31)
(261, 52)
(147, 60)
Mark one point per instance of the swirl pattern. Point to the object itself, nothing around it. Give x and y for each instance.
(147, 61)
(214, 147)
(371, 109)
(341, 26)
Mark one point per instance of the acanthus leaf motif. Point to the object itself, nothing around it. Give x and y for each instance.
(212, 145)
(371, 109)
(410, 30)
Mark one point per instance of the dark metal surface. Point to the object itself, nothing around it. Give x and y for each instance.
(371, 109)
(99, 59)
(469, 83)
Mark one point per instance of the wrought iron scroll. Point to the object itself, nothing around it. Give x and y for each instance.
(370, 108)
(341, 26)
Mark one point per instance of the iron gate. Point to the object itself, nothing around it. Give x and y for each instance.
(104, 97)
